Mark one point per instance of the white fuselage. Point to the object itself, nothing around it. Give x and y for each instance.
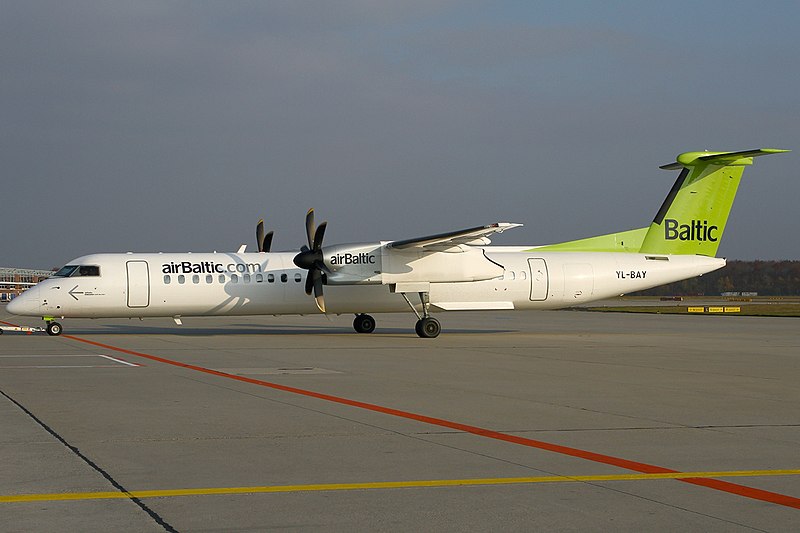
(213, 284)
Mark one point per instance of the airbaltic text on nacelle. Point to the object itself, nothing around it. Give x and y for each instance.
(207, 267)
(353, 259)
(696, 230)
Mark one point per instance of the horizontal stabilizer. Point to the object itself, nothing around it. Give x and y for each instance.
(743, 158)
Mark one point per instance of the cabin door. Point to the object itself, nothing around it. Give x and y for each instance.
(540, 282)
(138, 284)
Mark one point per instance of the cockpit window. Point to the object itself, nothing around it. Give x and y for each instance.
(65, 271)
(72, 271)
(87, 270)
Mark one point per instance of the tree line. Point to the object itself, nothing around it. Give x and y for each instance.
(767, 278)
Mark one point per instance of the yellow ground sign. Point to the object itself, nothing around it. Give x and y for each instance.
(726, 309)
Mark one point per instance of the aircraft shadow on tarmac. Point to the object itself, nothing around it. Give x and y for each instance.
(257, 329)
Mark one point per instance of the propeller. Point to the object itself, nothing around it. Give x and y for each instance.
(311, 259)
(263, 242)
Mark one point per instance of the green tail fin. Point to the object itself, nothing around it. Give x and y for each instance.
(693, 216)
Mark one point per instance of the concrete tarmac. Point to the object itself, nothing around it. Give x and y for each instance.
(564, 420)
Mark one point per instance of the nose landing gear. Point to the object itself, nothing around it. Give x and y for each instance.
(53, 328)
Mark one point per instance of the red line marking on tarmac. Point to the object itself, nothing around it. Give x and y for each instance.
(724, 486)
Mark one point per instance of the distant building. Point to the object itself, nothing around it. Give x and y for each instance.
(14, 281)
(737, 293)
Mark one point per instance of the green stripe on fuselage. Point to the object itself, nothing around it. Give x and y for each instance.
(625, 241)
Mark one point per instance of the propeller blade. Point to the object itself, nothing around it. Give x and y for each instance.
(320, 302)
(310, 228)
(318, 291)
(260, 235)
(267, 245)
(309, 282)
(318, 236)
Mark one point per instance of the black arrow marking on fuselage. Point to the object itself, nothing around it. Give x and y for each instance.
(73, 292)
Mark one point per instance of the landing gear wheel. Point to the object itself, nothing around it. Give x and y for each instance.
(54, 329)
(428, 328)
(364, 323)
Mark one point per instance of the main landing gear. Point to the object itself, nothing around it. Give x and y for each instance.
(364, 323)
(426, 327)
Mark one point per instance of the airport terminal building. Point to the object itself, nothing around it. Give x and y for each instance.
(14, 281)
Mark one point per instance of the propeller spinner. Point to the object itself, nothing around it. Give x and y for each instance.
(310, 258)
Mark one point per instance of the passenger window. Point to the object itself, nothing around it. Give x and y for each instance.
(512, 275)
(284, 278)
(298, 278)
(209, 278)
(222, 278)
(246, 278)
(271, 278)
(181, 279)
(259, 278)
(195, 279)
(167, 279)
(234, 278)
(523, 275)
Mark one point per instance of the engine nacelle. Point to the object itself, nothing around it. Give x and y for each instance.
(374, 263)
(353, 264)
(460, 263)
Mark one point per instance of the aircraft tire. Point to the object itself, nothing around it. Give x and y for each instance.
(364, 323)
(428, 328)
(54, 329)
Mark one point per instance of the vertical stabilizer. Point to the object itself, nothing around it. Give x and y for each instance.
(693, 216)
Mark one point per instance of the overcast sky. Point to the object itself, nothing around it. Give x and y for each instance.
(174, 126)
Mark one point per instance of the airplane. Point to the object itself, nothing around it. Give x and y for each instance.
(451, 271)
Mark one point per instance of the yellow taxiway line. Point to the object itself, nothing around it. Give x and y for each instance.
(12, 498)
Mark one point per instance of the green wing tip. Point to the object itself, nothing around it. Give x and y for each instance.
(774, 150)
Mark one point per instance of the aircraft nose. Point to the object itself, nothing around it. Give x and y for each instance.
(27, 303)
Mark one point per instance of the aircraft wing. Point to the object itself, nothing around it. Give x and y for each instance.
(478, 235)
